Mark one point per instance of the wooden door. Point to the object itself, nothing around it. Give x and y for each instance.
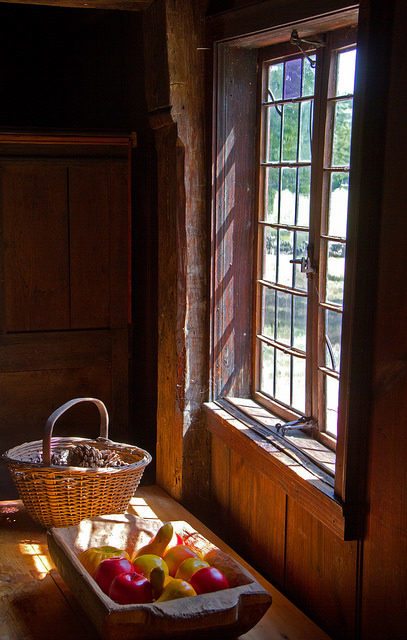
(64, 287)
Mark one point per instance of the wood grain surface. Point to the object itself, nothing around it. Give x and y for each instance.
(35, 603)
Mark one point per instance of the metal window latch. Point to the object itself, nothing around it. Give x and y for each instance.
(300, 423)
(306, 265)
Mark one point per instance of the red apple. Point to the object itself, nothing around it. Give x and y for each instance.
(208, 579)
(131, 588)
(109, 569)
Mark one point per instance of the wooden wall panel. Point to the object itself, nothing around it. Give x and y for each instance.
(384, 603)
(232, 232)
(257, 518)
(171, 360)
(36, 259)
(321, 573)
(220, 486)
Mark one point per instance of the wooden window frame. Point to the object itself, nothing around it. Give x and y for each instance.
(334, 41)
(235, 65)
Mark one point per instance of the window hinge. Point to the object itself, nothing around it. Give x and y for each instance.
(300, 423)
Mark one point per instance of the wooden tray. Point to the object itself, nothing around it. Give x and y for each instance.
(229, 613)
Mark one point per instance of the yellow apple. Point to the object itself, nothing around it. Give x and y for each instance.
(174, 556)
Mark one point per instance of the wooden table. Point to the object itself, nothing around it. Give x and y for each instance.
(35, 603)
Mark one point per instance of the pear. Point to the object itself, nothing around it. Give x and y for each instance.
(157, 545)
(176, 589)
(157, 581)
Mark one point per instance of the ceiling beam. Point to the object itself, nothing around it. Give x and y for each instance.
(121, 5)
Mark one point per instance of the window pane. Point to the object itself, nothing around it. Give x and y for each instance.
(331, 413)
(300, 322)
(285, 254)
(308, 78)
(335, 272)
(275, 82)
(298, 400)
(306, 131)
(284, 317)
(272, 194)
(333, 330)
(269, 254)
(338, 204)
(283, 377)
(301, 247)
(292, 78)
(342, 133)
(273, 138)
(290, 132)
(268, 314)
(267, 355)
(345, 75)
(288, 193)
(304, 188)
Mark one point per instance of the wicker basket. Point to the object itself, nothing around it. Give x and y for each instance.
(61, 496)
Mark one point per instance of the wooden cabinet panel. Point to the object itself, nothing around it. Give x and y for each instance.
(36, 259)
(321, 573)
(89, 245)
(64, 288)
(384, 608)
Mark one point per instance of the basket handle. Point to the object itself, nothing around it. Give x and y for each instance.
(49, 425)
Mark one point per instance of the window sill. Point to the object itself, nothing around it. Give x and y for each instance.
(300, 479)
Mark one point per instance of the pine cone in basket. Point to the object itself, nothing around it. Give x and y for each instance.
(111, 459)
(84, 455)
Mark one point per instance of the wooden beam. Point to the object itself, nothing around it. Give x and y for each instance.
(118, 5)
